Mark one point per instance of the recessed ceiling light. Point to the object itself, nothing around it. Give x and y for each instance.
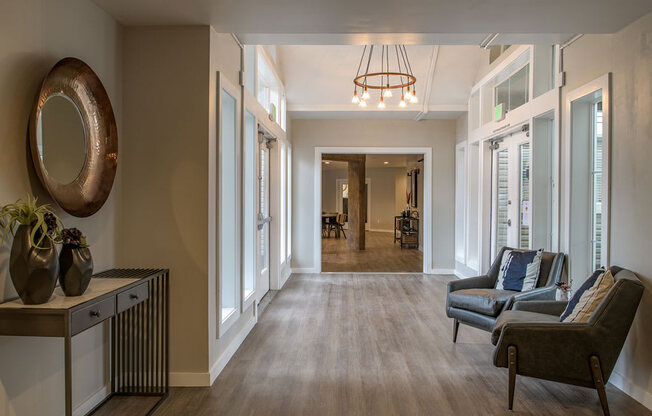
(327, 162)
(387, 163)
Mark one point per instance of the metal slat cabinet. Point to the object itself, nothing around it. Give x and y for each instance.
(135, 301)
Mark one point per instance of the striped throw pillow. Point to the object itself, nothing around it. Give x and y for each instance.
(519, 270)
(587, 298)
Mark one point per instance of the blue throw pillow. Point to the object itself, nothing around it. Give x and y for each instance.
(577, 296)
(517, 267)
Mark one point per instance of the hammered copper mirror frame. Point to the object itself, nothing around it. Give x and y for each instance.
(89, 191)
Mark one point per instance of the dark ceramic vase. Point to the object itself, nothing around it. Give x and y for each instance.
(76, 269)
(33, 270)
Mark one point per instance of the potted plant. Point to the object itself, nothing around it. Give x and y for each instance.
(75, 261)
(33, 264)
(563, 291)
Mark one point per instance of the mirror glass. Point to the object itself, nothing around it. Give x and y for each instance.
(61, 139)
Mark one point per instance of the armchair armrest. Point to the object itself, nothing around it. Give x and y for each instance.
(551, 350)
(541, 293)
(484, 282)
(549, 307)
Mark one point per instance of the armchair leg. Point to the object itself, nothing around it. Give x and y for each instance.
(456, 327)
(598, 381)
(511, 366)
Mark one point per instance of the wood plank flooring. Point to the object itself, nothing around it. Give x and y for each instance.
(373, 345)
(381, 255)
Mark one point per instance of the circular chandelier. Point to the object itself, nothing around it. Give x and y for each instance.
(395, 73)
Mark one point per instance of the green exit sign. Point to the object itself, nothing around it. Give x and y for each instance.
(499, 112)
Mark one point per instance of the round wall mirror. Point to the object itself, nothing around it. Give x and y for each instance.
(73, 138)
(61, 139)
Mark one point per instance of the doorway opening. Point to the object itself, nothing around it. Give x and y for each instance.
(372, 212)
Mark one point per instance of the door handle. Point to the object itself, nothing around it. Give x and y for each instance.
(263, 220)
(509, 222)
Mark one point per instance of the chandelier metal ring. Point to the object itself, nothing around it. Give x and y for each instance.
(411, 79)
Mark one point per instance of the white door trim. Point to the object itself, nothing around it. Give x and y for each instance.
(601, 83)
(427, 195)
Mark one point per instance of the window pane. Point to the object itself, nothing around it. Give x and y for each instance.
(250, 68)
(502, 94)
(249, 204)
(596, 188)
(518, 88)
(524, 196)
(502, 197)
(263, 207)
(228, 206)
(283, 201)
(289, 198)
(460, 180)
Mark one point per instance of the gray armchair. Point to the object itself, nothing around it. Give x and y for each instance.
(530, 340)
(476, 303)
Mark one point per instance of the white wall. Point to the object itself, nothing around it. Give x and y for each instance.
(436, 134)
(383, 182)
(34, 35)
(628, 56)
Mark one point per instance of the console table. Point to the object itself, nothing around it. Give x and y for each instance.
(406, 230)
(136, 301)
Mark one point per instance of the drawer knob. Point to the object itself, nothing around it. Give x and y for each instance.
(95, 314)
(133, 296)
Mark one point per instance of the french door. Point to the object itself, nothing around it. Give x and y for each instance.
(262, 282)
(511, 214)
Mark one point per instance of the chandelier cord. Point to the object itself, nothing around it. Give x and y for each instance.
(408, 61)
(398, 61)
(371, 51)
(361, 59)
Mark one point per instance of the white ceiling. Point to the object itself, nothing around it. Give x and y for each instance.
(445, 17)
(319, 78)
(319, 81)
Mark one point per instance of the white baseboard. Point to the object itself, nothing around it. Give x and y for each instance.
(304, 270)
(95, 399)
(226, 356)
(636, 392)
(442, 271)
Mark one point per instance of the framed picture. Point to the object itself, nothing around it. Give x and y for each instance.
(414, 185)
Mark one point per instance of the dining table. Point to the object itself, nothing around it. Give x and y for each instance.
(326, 219)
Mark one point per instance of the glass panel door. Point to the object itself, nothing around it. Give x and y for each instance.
(263, 217)
(511, 193)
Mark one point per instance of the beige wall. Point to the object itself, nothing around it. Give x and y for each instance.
(34, 35)
(165, 211)
(628, 56)
(462, 128)
(436, 134)
(383, 194)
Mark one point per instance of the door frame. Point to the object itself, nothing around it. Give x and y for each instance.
(513, 170)
(339, 200)
(602, 83)
(427, 195)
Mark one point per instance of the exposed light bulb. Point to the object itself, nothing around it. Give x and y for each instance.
(387, 93)
(381, 104)
(402, 103)
(363, 103)
(355, 99)
(365, 94)
(408, 94)
(414, 99)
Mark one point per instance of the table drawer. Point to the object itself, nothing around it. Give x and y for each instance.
(92, 315)
(132, 297)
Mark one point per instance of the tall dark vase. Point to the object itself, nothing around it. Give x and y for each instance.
(76, 269)
(33, 270)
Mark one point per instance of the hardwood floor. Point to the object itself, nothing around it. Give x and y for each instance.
(382, 255)
(373, 345)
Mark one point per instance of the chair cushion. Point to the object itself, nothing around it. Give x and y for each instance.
(518, 316)
(519, 270)
(587, 298)
(485, 301)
